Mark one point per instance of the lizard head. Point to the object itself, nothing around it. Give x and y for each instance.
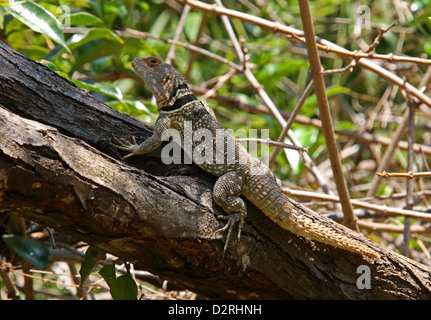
(161, 78)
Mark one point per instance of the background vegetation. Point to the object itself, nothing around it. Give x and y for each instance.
(92, 43)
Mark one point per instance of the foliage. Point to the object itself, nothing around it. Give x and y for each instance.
(28, 249)
(87, 42)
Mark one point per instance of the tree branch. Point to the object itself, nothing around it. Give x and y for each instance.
(325, 114)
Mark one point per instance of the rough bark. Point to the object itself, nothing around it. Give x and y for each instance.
(56, 168)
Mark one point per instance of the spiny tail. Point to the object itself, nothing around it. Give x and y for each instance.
(306, 227)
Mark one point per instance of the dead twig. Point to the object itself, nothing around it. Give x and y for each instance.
(408, 175)
(289, 122)
(325, 115)
(272, 143)
(383, 209)
(384, 227)
(348, 68)
(379, 37)
(181, 24)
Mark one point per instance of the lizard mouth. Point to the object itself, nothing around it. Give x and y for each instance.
(147, 73)
(139, 65)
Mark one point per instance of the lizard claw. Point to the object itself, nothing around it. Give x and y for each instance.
(232, 219)
(126, 145)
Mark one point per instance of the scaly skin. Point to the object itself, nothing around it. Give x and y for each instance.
(238, 172)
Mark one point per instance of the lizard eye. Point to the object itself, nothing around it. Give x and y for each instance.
(153, 61)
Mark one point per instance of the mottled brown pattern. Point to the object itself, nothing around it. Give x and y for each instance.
(238, 172)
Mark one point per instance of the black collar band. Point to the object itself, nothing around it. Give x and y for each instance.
(180, 102)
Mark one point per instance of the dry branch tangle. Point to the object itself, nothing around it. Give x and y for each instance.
(324, 45)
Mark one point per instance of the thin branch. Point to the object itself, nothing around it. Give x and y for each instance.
(356, 55)
(389, 153)
(127, 32)
(385, 210)
(171, 54)
(398, 195)
(423, 248)
(383, 227)
(408, 175)
(289, 122)
(272, 143)
(379, 37)
(348, 68)
(221, 80)
(325, 115)
(398, 134)
(410, 154)
(238, 50)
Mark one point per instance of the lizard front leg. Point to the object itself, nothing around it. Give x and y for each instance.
(148, 125)
(151, 144)
(226, 192)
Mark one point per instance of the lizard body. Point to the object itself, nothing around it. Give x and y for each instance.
(239, 173)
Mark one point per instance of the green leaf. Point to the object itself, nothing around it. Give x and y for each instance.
(134, 108)
(92, 255)
(84, 19)
(121, 288)
(35, 52)
(124, 288)
(96, 50)
(96, 33)
(191, 27)
(345, 125)
(307, 136)
(161, 22)
(384, 190)
(28, 249)
(333, 90)
(108, 273)
(106, 89)
(54, 67)
(37, 18)
(271, 73)
(63, 74)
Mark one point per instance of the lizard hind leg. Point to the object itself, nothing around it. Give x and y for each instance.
(226, 194)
